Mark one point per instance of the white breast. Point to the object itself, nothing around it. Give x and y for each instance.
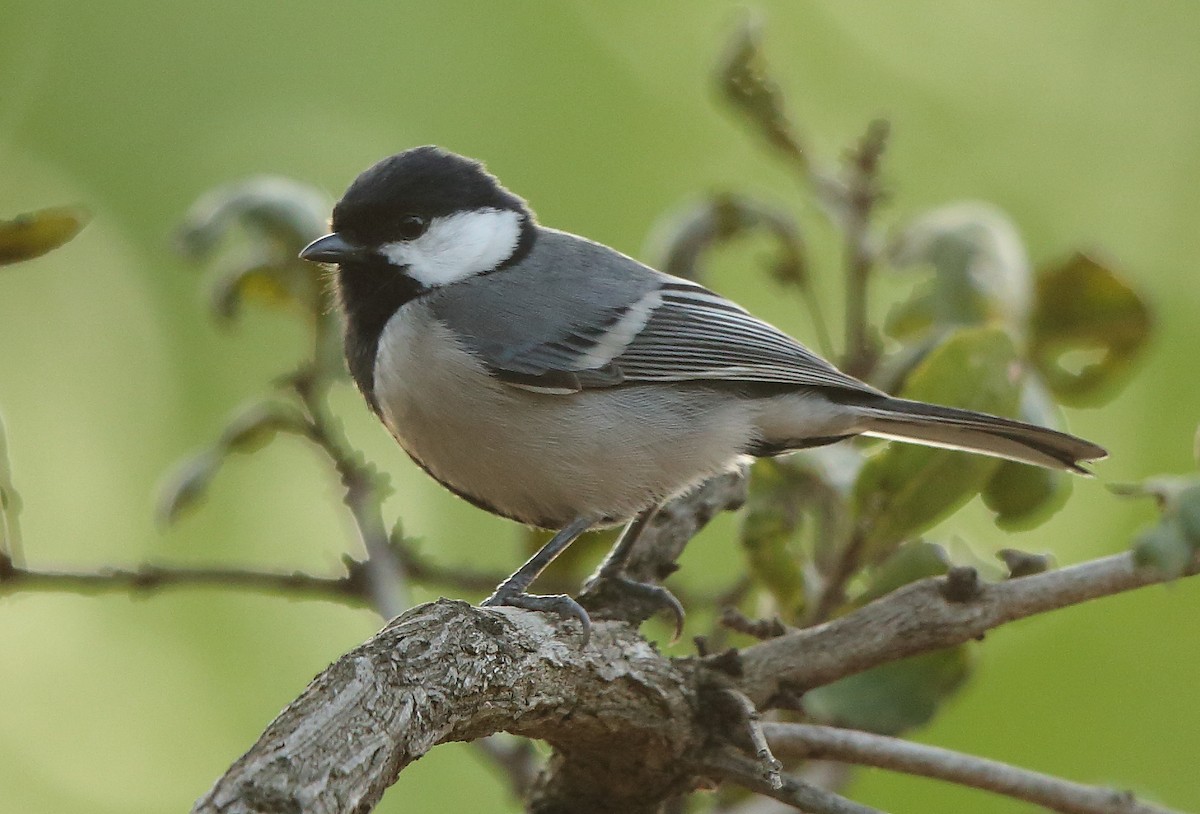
(546, 459)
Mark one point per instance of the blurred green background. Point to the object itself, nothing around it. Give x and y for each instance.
(1081, 119)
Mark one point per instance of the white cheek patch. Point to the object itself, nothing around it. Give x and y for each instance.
(458, 246)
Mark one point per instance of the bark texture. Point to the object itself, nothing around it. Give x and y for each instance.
(621, 716)
(630, 728)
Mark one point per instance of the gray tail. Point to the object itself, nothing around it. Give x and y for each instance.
(937, 426)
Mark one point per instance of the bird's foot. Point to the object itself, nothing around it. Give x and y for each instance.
(559, 604)
(619, 590)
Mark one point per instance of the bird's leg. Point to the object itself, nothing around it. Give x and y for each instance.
(614, 563)
(611, 571)
(511, 592)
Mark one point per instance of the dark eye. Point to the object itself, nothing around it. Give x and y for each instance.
(412, 227)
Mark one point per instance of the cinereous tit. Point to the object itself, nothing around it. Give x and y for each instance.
(559, 383)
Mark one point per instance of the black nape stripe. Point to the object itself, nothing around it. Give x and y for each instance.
(524, 242)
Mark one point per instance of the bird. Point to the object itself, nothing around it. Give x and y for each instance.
(557, 382)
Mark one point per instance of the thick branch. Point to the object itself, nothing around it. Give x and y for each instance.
(618, 714)
(625, 722)
(866, 749)
(919, 617)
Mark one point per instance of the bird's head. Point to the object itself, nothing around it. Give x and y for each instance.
(433, 216)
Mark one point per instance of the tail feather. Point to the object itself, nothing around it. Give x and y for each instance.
(934, 425)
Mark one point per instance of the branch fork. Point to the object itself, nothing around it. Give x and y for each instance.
(630, 727)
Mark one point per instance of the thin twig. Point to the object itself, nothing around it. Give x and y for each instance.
(514, 757)
(866, 749)
(10, 505)
(769, 767)
(737, 768)
(823, 774)
(760, 629)
(148, 578)
(833, 589)
(862, 193)
(364, 495)
(422, 571)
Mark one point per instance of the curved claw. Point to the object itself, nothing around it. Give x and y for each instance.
(656, 595)
(672, 605)
(560, 604)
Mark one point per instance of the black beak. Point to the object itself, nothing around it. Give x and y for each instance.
(332, 248)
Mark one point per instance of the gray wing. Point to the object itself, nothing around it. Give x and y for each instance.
(575, 315)
(695, 334)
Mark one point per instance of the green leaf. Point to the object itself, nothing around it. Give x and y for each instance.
(1088, 328)
(911, 318)
(1165, 489)
(280, 212)
(894, 697)
(275, 217)
(688, 236)
(893, 370)
(835, 470)
(1188, 510)
(911, 562)
(33, 234)
(906, 489)
(184, 488)
(1023, 497)
(275, 286)
(256, 424)
(772, 520)
(981, 271)
(1165, 548)
(1170, 546)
